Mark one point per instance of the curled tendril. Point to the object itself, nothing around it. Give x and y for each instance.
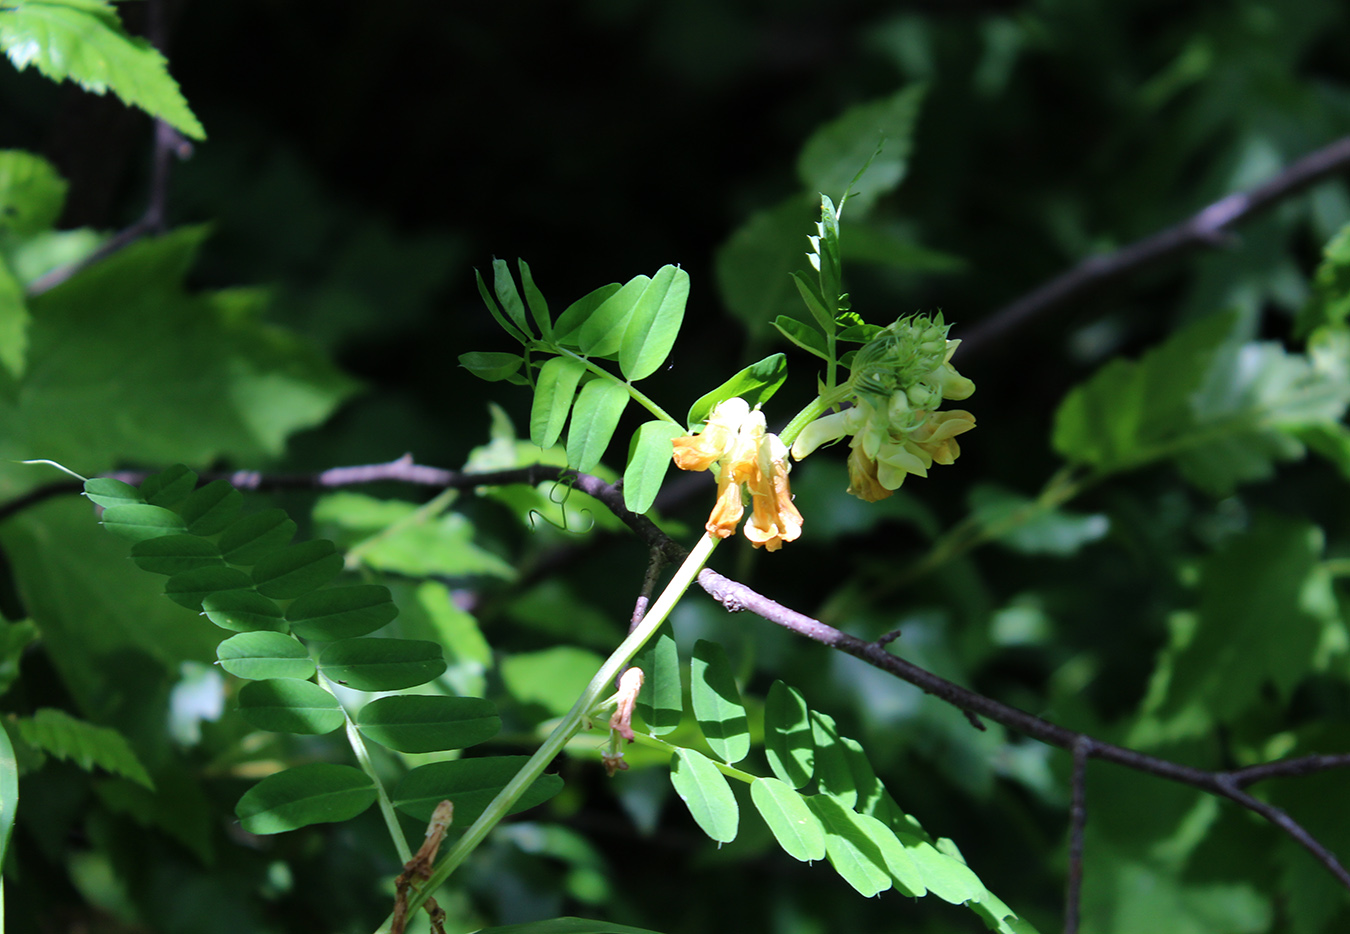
(561, 503)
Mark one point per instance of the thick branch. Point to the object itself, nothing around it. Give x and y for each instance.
(1208, 228)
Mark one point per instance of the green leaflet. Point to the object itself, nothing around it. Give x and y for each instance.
(833, 773)
(535, 300)
(492, 366)
(141, 521)
(190, 588)
(850, 849)
(341, 612)
(661, 700)
(32, 192)
(425, 723)
(794, 825)
(259, 656)
(57, 733)
(243, 611)
(314, 793)
(169, 487)
(566, 331)
(297, 569)
(247, 539)
(803, 335)
(654, 324)
(212, 508)
(717, 702)
(471, 784)
(554, 390)
(595, 416)
(170, 554)
(107, 492)
(705, 792)
(382, 664)
(754, 266)
(756, 384)
(83, 40)
(285, 705)
(505, 288)
(649, 458)
(789, 743)
(603, 331)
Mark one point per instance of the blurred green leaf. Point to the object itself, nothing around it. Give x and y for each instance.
(286, 705)
(1019, 523)
(471, 784)
(1329, 301)
(704, 791)
(382, 664)
(83, 40)
(595, 416)
(315, 793)
(14, 321)
(552, 677)
(566, 926)
(59, 734)
(754, 266)
(260, 656)
(32, 192)
(421, 723)
(654, 324)
(341, 612)
(717, 702)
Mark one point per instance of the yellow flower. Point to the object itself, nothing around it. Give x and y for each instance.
(747, 456)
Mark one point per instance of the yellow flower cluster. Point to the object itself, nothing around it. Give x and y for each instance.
(748, 458)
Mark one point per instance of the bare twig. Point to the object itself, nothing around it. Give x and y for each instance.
(1082, 750)
(1208, 228)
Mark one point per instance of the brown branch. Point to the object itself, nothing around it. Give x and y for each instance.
(1208, 228)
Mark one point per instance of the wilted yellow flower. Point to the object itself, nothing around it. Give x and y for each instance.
(747, 457)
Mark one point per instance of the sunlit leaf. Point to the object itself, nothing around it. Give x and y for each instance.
(661, 700)
(654, 323)
(566, 331)
(704, 790)
(315, 793)
(756, 384)
(648, 460)
(803, 335)
(794, 825)
(595, 415)
(492, 366)
(32, 192)
(259, 656)
(789, 743)
(554, 391)
(602, 333)
(286, 705)
(59, 734)
(849, 848)
(717, 702)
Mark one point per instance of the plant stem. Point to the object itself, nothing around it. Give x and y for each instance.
(638, 396)
(601, 686)
(818, 407)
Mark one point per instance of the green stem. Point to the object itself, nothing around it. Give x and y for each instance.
(601, 686)
(818, 407)
(651, 742)
(637, 395)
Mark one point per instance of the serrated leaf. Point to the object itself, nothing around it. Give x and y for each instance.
(422, 723)
(341, 612)
(492, 366)
(210, 509)
(756, 384)
(595, 416)
(649, 458)
(717, 702)
(789, 743)
(565, 332)
(285, 705)
(83, 40)
(297, 569)
(661, 700)
(171, 554)
(139, 522)
(471, 784)
(382, 664)
(32, 192)
(602, 333)
(836, 151)
(190, 588)
(654, 323)
(849, 848)
(243, 610)
(554, 390)
(705, 792)
(1329, 300)
(315, 793)
(794, 825)
(107, 492)
(803, 335)
(249, 538)
(260, 656)
(59, 734)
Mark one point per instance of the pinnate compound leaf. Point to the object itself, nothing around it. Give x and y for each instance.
(492, 366)
(580, 311)
(260, 656)
(83, 40)
(212, 508)
(32, 192)
(789, 743)
(594, 417)
(704, 790)
(648, 460)
(567, 926)
(382, 664)
(108, 492)
(341, 612)
(285, 705)
(315, 793)
(654, 324)
(849, 847)
(471, 784)
(170, 554)
(661, 700)
(794, 825)
(297, 569)
(57, 733)
(243, 611)
(425, 723)
(602, 333)
(554, 390)
(756, 384)
(717, 702)
(139, 522)
(190, 588)
(254, 536)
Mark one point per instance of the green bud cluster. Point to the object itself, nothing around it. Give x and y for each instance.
(900, 370)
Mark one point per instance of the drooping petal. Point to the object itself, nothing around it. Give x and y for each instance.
(862, 477)
(719, 436)
(774, 519)
(727, 512)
